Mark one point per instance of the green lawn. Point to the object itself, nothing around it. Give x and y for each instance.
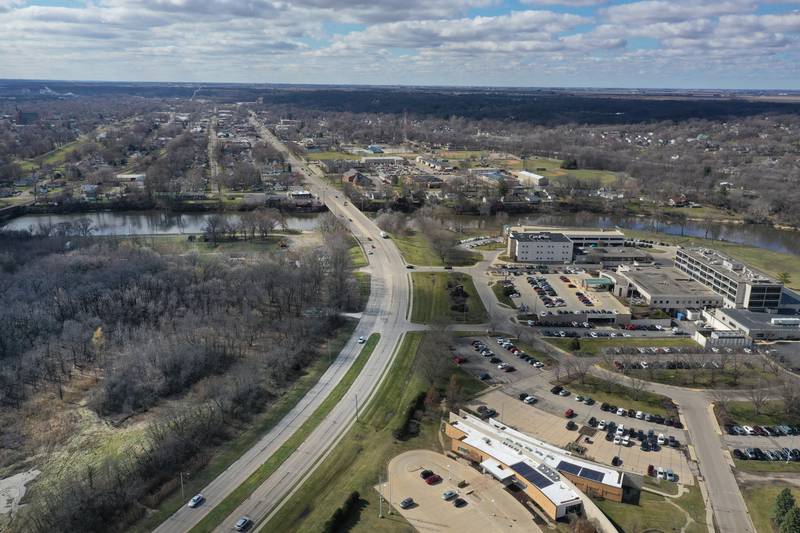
(705, 212)
(593, 347)
(56, 157)
(760, 499)
(323, 156)
(432, 302)
(705, 379)
(243, 491)
(227, 454)
(364, 287)
(766, 466)
(416, 250)
(770, 414)
(357, 256)
(492, 246)
(661, 485)
(771, 263)
(605, 391)
(363, 453)
(655, 513)
(499, 292)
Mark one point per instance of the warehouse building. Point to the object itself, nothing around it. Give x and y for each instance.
(740, 286)
(548, 475)
(662, 288)
(540, 247)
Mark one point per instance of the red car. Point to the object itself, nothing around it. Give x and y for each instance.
(458, 360)
(434, 479)
(569, 413)
(651, 471)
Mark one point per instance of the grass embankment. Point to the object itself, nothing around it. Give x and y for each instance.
(760, 500)
(768, 261)
(235, 498)
(364, 287)
(362, 455)
(742, 412)
(357, 256)
(667, 487)
(433, 301)
(499, 291)
(491, 246)
(705, 213)
(605, 391)
(658, 513)
(261, 424)
(416, 250)
(766, 467)
(594, 347)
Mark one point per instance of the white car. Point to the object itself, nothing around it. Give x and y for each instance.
(661, 439)
(617, 439)
(639, 415)
(620, 430)
(627, 335)
(622, 412)
(660, 473)
(361, 340)
(749, 430)
(601, 425)
(529, 400)
(645, 365)
(538, 364)
(196, 500)
(626, 440)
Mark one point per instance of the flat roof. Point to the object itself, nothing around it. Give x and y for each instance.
(520, 445)
(726, 265)
(752, 320)
(577, 232)
(614, 251)
(540, 236)
(666, 281)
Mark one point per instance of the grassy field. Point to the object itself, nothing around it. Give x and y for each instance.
(620, 395)
(230, 452)
(702, 378)
(56, 157)
(760, 467)
(769, 262)
(593, 347)
(416, 250)
(499, 292)
(657, 513)
(661, 485)
(742, 412)
(361, 457)
(706, 213)
(243, 491)
(432, 300)
(357, 256)
(327, 156)
(760, 499)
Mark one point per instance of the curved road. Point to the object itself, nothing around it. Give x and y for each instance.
(385, 312)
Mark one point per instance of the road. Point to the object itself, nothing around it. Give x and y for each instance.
(385, 312)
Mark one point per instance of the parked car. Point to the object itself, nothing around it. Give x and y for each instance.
(569, 413)
(407, 503)
(572, 426)
(434, 479)
(449, 495)
(459, 502)
(425, 474)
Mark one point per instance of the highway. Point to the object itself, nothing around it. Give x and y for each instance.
(385, 312)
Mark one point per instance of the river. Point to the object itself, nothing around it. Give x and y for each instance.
(145, 222)
(762, 236)
(161, 223)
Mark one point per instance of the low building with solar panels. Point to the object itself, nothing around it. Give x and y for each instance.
(549, 476)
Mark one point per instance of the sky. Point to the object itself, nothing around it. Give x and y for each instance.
(725, 44)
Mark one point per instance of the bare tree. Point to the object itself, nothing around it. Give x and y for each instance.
(758, 395)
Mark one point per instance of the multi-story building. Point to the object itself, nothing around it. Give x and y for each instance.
(661, 288)
(739, 286)
(539, 247)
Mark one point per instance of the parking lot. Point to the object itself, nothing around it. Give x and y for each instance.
(545, 420)
(564, 295)
(489, 506)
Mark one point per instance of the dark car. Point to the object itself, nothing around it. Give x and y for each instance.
(407, 503)
(243, 524)
(522, 395)
(645, 446)
(556, 389)
(410, 266)
(616, 461)
(425, 474)
(459, 502)
(572, 426)
(737, 453)
(604, 406)
(592, 422)
(485, 377)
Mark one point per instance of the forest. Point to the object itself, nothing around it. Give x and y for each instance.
(188, 346)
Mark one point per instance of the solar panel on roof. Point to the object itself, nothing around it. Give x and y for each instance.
(532, 475)
(594, 475)
(568, 468)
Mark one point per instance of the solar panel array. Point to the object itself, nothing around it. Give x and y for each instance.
(575, 470)
(531, 474)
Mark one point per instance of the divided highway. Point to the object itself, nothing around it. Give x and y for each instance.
(385, 312)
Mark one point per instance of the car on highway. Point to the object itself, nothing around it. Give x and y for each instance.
(407, 503)
(449, 495)
(243, 524)
(196, 500)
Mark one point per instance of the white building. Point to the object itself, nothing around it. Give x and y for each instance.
(531, 179)
(541, 247)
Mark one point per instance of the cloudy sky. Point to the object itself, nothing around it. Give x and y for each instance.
(592, 43)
